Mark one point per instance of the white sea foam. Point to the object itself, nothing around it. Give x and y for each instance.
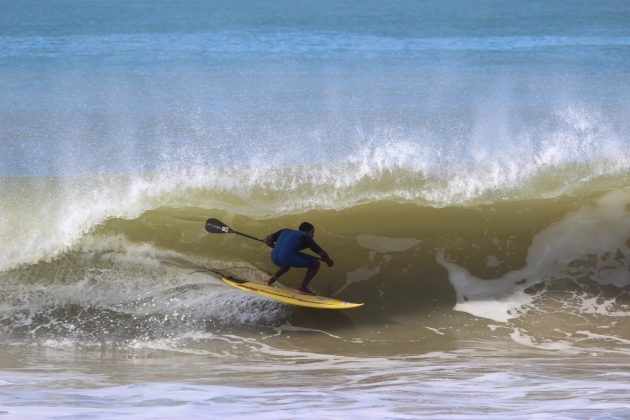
(382, 244)
(122, 286)
(521, 337)
(600, 229)
(603, 337)
(321, 386)
(360, 274)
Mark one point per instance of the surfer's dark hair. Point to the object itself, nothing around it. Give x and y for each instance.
(306, 227)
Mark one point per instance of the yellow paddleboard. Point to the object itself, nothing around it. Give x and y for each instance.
(289, 296)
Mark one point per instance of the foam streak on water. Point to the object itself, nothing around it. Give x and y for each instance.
(332, 387)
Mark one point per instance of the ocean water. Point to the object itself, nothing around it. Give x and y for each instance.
(466, 164)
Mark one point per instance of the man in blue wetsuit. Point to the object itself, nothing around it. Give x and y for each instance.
(287, 244)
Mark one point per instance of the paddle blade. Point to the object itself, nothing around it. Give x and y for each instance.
(217, 226)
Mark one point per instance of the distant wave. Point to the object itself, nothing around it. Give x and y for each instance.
(283, 43)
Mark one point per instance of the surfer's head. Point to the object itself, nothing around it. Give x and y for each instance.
(307, 228)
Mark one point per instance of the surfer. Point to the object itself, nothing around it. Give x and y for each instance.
(287, 244)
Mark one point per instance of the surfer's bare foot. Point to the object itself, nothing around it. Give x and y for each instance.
(270, 281)
(306, 291)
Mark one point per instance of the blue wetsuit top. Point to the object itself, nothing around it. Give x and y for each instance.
(288, 244)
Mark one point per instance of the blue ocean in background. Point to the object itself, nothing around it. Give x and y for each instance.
(99, 86)
(466, 163)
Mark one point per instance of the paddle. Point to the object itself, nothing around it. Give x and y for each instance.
(217, 226)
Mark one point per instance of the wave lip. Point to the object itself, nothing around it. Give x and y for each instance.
(44, 217)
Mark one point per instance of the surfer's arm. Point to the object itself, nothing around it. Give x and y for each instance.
(329, 262)
(271, 239)
(318, 250)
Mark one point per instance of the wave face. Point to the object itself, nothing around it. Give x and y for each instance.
(121, 259)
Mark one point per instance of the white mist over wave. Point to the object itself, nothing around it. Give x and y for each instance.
(42, 217)
(601, 230)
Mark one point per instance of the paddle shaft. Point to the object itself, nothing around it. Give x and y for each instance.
(247, 236)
